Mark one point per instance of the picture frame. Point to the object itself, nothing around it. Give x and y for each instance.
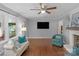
(12, 29)
(74, 18)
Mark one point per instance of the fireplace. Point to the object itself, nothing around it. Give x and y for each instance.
(76, 40)
(73, 39)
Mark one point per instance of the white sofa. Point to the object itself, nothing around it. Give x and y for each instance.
(22, 48)
(15, 50)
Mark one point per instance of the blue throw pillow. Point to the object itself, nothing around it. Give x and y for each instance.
(22, 39)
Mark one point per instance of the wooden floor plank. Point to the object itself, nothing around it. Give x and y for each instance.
(43, 47)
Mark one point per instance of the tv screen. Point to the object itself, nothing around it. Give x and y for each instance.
(42, 25)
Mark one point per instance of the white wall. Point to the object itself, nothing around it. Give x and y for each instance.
(34, 32)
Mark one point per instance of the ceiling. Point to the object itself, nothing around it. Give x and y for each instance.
(24, 9)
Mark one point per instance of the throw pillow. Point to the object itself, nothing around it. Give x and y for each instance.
(22, 39)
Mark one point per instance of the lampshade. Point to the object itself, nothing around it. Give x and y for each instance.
(24, 29)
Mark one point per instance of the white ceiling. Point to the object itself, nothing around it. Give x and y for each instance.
(24, 9)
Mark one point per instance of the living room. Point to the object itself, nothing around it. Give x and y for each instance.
(28, 29)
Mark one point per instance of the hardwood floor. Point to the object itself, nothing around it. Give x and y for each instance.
(43, 47)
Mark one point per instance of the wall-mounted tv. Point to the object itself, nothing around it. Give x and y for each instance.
(42, 25)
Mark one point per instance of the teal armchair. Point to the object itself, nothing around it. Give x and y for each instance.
(57, 40)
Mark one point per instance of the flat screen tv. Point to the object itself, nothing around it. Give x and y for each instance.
(42, 25)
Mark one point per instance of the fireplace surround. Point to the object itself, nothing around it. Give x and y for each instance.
(73, 39)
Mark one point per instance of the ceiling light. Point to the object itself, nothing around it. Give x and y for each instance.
(43, 11)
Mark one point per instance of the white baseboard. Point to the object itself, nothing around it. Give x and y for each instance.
(39, 38)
